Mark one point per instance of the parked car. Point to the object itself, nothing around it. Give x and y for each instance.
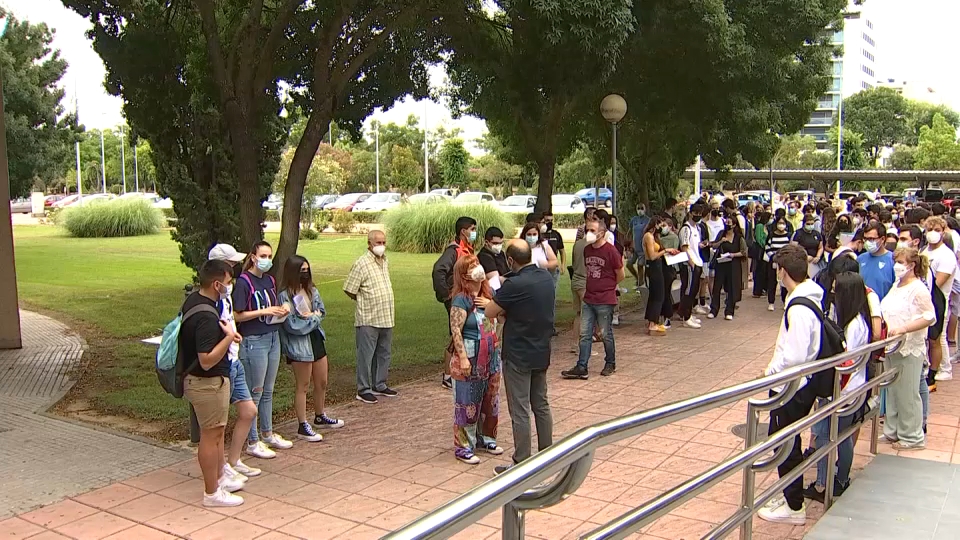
(474, 197)
(66, 201)
(518, 204)
(379, 202)
(93, 198)
(322, 201)
(348, 201)
(21, 206)
(586, 195)
(428, 198)
(932, 195)
(273, 202)
(803, 195)
(746, 197)
(567, 204)
(443, 191)
(951, 198)
(49, 200)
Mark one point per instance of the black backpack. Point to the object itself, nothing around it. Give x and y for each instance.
(832, 343)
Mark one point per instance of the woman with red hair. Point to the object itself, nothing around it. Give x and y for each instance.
(475, 364)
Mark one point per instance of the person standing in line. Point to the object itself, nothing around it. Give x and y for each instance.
(660, 301)
(638, 224)
(526, 347)
(543, 256)
(798, 342)
(909, 311)
(710, 231)
(239, 392)
(260, 315)
(203, 343)
(476, 364)
(747, 219)
(759, 255)
(465, 234)
(621, 248)
(368, 283)
(690, 243)
(777, 238)
(794, 217)
(604, 266)
(303, 342)
(556, 244)
(588, 214)
(876, 264)
(492, 259)
(943, 262)
(810, 239)
(731, 249)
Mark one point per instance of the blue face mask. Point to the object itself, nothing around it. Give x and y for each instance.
(532, 240)
(473, 236)
(264, 265)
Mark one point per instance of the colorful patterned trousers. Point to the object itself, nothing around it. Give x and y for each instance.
(476, 411)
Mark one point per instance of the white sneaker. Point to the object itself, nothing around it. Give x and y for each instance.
(702, 310)
(222, 498)
(695, 319)
(230, 472)
(944, 376)
(711, 316)
(784, 514)
(230, 484)
(690, 323)
(616, 320)
(246, 470)
(770, 307)
(260, 450)
(729, 317)
(276, 441)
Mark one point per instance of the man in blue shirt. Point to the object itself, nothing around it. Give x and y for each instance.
(876, 263)
(638, 224)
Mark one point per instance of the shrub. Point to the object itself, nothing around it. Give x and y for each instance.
(308, 234)
(321, 220)
(343, 222)
(271, 215)
(368, 217)
(416, 228)
(560, 221)
(123, 217)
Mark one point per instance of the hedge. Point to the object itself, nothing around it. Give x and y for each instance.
(417, 228)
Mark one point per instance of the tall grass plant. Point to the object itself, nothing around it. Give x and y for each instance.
(108, 219)
(428, 228)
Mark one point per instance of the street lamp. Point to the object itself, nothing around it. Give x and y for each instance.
(613, 108)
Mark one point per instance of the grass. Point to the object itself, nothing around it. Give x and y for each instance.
(131, 217)
(116, 291)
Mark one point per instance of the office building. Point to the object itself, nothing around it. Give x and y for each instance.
(913, 91)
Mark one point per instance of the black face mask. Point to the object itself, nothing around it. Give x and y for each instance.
(891, 246)
(304, 277)
(696, 218)
(549, 225)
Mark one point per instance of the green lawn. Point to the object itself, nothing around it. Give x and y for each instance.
(116, 291)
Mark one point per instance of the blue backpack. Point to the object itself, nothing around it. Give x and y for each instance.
(169, 363)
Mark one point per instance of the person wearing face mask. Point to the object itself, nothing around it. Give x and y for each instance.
(555, 241)
(943, 263)
(660, 302)
(638, 224)
(690, 271)
(368, 284)
(604, 269)
(302, 341)
(794, 217)
(809, 238)
(759, 261)
(714, 227)
(908, 310)
(777, 239)
(876, 263)
(491, 257)
(475, 367)
(203, 343)
(259, 315)
(543, 256)
(731, 248)
(465, 235)
(240, 396)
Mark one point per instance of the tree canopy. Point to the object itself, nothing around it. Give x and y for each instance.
(39, 131)
(879, 115)
(937, 148)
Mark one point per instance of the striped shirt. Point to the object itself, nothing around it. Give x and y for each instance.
(369, 281)
(774, 242)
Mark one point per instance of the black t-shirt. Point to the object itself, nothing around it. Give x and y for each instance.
(493, 262)
(555, 240)
(527, 297)
(809, 241)
(200, 334)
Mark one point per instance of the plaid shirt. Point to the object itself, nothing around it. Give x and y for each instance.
(369, 281)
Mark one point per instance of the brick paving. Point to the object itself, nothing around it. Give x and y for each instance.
(393, 461)
(44, 459)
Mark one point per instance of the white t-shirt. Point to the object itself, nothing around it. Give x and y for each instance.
(857, 334)
(539, 256)
(226, 315)
(715, 227)
(690, 237)
(956, 251)
(943, 261)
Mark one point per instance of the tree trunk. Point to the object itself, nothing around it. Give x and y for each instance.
(546, 168)
(297, 180)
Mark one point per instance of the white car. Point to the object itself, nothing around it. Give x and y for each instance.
(518, 204)
(379, 202)
(474, 197)
(428, 198)
(94, 198)
(273, 202)
(567, 204)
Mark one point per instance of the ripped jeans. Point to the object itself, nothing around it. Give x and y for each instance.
(260, 356)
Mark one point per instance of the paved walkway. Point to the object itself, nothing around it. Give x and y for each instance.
(393, 461)
(44, 459)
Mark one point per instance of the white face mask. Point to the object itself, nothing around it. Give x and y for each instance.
(543, 228)
(902, 245)
(934, 237)
(613, 227)
(477, 274)
(496, 248)
(900, 270)
(379, 250)
(590, 237)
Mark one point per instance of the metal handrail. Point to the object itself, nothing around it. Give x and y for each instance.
(567, 462)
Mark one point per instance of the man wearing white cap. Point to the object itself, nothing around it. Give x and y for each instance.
(239, 392)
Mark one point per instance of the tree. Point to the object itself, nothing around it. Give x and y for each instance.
(921, 113)
(879, 115)
(39, 132)
(852, 148)
(579, 170)
(937, 149)
(527, 67)
(454, 160)
(405, 172)
(794, 152)
(903, 158)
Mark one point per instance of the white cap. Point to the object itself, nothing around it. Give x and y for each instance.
(225, 252)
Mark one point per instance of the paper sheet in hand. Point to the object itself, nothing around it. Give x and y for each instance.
(302, 304)
(494, 282)
(278, 320)
(725, 258)
(676, 259)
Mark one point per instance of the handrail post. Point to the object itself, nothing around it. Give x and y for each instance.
(748, 494)
(832, 455)
(513, 522)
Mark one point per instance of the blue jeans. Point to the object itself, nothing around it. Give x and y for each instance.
(239, 391)
(602, 315)
(821, 432)
(260, 356)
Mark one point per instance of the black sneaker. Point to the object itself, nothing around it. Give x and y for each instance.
(576, 373)
(447, 382)
(811, 492)
(306, 433)
(608, 370)
(324, 421)
(388, 392)
(500, 469)
(367, 397)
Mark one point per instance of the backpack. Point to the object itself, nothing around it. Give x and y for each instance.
(832, 343)
(170, 362)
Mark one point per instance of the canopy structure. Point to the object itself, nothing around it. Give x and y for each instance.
(876, 175)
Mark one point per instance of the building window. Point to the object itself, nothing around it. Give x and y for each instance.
(867, 70)
(865, 85)
(869, 40)
(869, 55)
(869, 24)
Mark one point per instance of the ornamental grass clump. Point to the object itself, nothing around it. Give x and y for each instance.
(107, 219)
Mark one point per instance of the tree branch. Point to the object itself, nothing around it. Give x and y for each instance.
(353, 67)
(222, 77)
(269, 48)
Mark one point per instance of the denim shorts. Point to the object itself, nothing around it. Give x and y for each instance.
(238, 383)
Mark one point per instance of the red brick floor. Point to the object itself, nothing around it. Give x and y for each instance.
(393, 462)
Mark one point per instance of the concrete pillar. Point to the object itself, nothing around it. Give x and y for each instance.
(9, 307)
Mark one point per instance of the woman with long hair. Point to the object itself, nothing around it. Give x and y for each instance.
(660, 301)
(303, 342)
(730, 250)
(475, 365)
(908, 310)
(759, 232)
(259, 315)
(543, 255)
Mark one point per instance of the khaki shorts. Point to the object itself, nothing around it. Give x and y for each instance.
(210, 397)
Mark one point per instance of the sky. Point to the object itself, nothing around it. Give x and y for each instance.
(912, 44)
